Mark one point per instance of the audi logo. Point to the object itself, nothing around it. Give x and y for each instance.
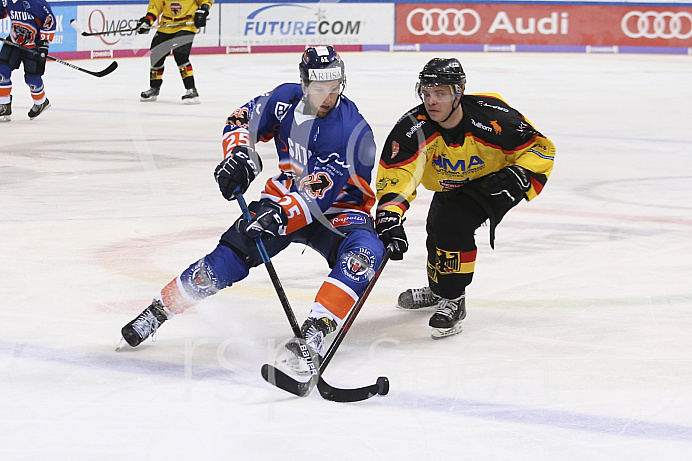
(655, 24)
(437, 21)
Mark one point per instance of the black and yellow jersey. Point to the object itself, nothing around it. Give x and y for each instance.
(175, 12)
(490, 136)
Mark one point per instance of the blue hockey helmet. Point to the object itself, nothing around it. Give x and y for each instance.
(322, 64)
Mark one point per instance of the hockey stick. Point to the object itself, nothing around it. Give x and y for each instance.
(285, 382)
(102, 73)
(279, 291)
(73, 23)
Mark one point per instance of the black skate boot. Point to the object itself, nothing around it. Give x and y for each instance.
(446, 321)
(149, 95)
(6, 111)
(38, 109)
(191, 96)
(416, 298)
(314, 330)
(144, 325)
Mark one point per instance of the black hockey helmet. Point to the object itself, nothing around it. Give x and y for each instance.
(442, 71)
(322, 64)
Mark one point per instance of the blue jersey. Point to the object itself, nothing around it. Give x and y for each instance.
(326, 163)
(31, 20)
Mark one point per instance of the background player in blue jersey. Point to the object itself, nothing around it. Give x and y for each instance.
(321, 198)
(32, 27)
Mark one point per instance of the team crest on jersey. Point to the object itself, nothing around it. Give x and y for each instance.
(281, 109)
(48, 23)
(358, 265)
(22, 35)
(316, 184)
(239, 117)
(176, 9)
(395, 149)
(384, 182)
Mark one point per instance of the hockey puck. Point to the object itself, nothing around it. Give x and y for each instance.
(382, 385)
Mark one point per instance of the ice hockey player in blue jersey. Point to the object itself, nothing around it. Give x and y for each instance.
(32, 27)
(321, 198)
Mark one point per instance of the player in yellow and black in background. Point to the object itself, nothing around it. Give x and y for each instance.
(191, 15)
(480, 156)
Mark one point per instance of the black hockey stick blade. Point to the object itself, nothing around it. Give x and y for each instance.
(281, 380)
(100, 73)
(335, 394)
(278, 378)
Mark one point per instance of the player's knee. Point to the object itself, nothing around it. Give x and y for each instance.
(216, 271)
(359, 259)
(200, 280)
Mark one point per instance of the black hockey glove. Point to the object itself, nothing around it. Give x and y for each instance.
(268, 220)
(390, 229)
(509, 184)
(201, 15)
(41, 55)
(236, 172)
(143, 25)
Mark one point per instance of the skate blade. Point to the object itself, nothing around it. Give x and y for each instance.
(121, 345)
(399, 306)
(439, 333)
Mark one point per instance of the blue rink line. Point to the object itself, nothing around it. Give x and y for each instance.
(604, 425)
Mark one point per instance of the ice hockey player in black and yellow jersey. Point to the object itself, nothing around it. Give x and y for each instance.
(480, 156)
(191, 15)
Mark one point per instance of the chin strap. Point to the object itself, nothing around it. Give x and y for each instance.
(451, 111)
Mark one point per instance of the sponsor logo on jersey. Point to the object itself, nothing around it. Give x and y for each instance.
(346, 219)
(450, 184)
(481, 126)
(496, 126)
(299, 153)
(21, 15)
(442, 162)
(414, 128)
(485, 104)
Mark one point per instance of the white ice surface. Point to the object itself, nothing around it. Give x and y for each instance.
(577, 344)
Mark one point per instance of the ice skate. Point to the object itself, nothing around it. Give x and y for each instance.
(143, 326)
(6, 111)
(446, 321)
(416, 298)
(314, 330)
(38, 109)
(149, 95)
(191, 96)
